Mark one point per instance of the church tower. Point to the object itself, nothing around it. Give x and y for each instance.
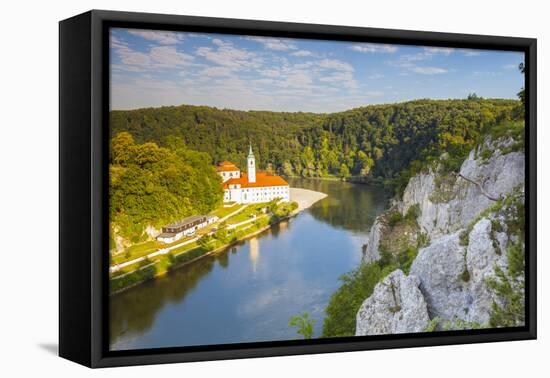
(251, 166)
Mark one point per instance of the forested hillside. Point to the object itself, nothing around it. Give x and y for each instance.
(162, 159)
(153, 186)
(382, 142)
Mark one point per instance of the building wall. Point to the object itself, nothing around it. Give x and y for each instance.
(257, 194)
(188, 232)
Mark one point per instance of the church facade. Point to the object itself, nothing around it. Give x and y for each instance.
(252, 186)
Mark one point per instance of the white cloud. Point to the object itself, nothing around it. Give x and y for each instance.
(335, 65)
(429, 70)
(156, 57)
(216, 71)
(439, 50)
(373, 48)
(413, 62)
(264, 81)
(274, 43)
(162, 37)
(270, 73)
(225, 54)
(297, 79)
(510, 66)
(471, 53)
(168, 56)
(302, 53)
(376, 76)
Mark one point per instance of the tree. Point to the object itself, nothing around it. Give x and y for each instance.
(204, 241)
(509, 286)
(364, 164)
(393, 135)
(521, 93)
(153, 186)
(304, 324)
(222, 234)
(122, 148)
(287, 169)
(474, 97)
(344, 171)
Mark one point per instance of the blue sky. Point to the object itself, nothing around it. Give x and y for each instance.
(156, 68)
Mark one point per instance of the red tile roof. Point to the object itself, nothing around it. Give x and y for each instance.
(262, 179)
(226, 166)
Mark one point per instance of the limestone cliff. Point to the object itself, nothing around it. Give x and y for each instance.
(468, 220)
(395, 306)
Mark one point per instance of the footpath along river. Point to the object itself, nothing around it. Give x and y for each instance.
(248, 293)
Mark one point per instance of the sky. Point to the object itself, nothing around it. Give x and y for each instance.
(157, 68)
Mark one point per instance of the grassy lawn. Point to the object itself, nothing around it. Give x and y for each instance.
(255, 209)
(131, 268)
(224, 211)
(137, 250)
(183, 248)
(145, 248)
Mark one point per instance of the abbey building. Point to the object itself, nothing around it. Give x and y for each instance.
(252, 186)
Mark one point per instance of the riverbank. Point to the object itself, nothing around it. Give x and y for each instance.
(304, 198)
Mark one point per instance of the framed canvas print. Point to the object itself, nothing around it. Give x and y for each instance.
(233, 188)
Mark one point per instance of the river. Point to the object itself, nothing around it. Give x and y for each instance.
(248, 293)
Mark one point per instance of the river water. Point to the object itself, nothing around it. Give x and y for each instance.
(248, 293)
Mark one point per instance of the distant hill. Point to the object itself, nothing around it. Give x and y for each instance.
(378, 141)
(162, 159)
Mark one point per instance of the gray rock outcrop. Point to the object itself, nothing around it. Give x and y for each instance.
(453, 277)
(395, 306)
(466, 241)
(445, 210)
(450, 206)
(372, 252)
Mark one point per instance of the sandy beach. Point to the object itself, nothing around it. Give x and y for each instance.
(305, 197)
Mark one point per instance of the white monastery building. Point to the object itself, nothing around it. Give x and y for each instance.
(252, 186)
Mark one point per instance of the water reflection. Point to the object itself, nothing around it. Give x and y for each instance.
(350, 206)
(254, 252)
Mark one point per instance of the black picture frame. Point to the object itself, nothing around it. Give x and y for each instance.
(83, 179)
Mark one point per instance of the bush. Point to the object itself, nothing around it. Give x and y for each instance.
(423, 240)
(509, 286)
(413, 213)
(304, 324)
(345, 302)
(117, 284)
(394, 218)
(464, 238)
(406, 258)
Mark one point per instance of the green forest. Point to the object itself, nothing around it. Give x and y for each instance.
(162, 159)
(375, 142)
(152, 185)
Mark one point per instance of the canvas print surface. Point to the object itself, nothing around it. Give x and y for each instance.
(267, 189)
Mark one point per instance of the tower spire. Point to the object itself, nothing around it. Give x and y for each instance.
(251, 165)
(250, 153)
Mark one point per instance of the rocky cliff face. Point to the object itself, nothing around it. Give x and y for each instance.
(466, 217)
(449, 202)
(395, 306)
